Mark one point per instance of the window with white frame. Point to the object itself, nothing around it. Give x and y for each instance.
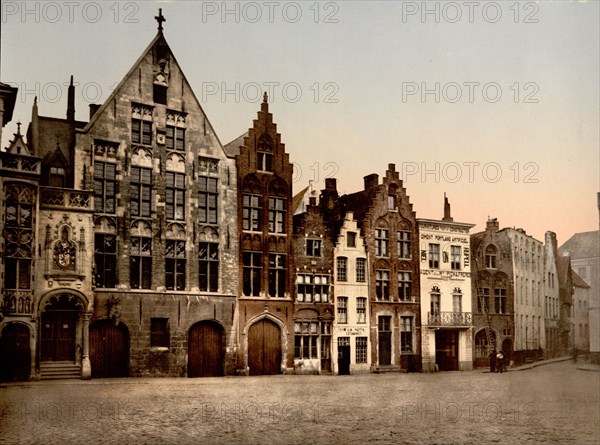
(404, 286)
(406, 334)
(381, 242)
(361, 310)
(342, 310)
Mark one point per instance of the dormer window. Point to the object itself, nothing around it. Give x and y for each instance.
(57, 177)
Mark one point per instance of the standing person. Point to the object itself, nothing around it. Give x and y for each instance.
(500, 361)
(492, 358)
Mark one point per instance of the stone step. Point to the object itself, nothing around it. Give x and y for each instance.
(390, 368)
(60, 370)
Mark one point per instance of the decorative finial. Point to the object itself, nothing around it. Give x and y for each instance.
(18, 127)
(265, 98)
(160, 19)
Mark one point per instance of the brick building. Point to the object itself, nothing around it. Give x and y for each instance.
(314, 292)
(551, 296)
(265, 292)
(493, 294)
(388, 224)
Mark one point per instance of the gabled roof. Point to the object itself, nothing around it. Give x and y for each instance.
(579, 282)
(298, 198)
(582, 245)
(159, 38)
(232, 149)
(563, 264)
(17, 145)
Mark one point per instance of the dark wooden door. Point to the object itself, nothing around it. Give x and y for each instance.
(15, 353)
(109, 349)
(385, 340)
(344, 360)
(205, 350)
(58, 336)
(264, 348)
(446, 350)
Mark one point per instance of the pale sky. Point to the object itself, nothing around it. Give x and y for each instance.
(507, 127)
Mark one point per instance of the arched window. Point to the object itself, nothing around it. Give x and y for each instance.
(491, 253)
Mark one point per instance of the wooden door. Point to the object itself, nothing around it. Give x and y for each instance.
(15, 353)
(264, 348)
(446, 350)
(344, 360)
(385, 340)
(58, 336)
(109, 349)
(325, 354)
(205, 350)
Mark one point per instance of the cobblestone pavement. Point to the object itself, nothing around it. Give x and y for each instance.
(556, 403)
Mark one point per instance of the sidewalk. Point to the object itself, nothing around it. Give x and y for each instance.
(532, 365)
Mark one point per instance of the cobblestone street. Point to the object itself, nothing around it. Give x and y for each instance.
(555, 403)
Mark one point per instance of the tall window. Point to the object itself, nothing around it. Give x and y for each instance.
(18, 235)
(175, 265)
(381, 242)
(391, 202)
(277, 275)
(342, 310)
(361, 349)
(141, 132)
(159, 332)
(435, 300)
(490, 256)
(277, 215)
(500, 301)
(208, 264)
(175, 138)
(406, 337)
(434, 256)
(104, 187)
(457, 300)
(361, 268)
(105, 257)
(252, 273)
(312, 288)
(305, 339)
(403, 244)
(140, 186)
(207, 203)
(265, 161)
(251, 212)
(342, 268)
(313, 247)
(175, 199)
(140, 262)
(350, 239)
(382, 284)
(361, 310)
(404, 286)
(455, 255)
(483, 297)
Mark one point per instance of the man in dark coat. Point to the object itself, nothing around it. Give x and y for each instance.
(492, 358)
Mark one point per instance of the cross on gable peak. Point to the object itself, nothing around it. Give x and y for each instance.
(160, 18)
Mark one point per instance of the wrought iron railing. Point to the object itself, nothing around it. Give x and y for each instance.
(445, 319)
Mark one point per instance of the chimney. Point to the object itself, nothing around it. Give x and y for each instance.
(71, 102)
(552, 241)
(492, 225)
(331, 184)
(93, 109)
(447, 216)
(371, 181)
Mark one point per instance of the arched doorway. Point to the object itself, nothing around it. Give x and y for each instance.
(482, 350)
(15, 353)
(205, 350)
(109, 349)
(264, 348)
(59, 322)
